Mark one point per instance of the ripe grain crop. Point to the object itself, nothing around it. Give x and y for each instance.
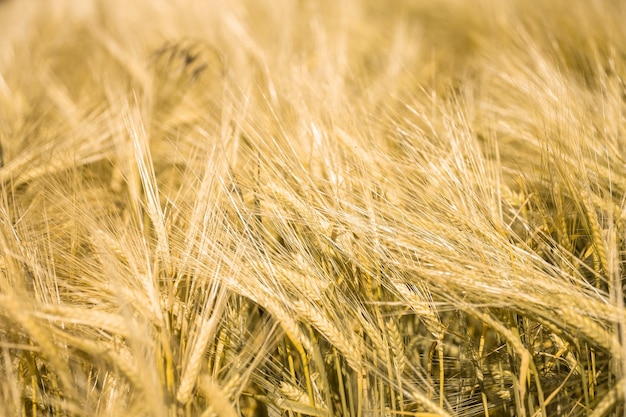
(312, 208)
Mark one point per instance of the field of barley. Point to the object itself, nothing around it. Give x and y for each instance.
(351, 208)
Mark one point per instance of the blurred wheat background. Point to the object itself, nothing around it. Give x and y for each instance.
(312, 208)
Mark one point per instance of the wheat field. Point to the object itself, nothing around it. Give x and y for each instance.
(299, 208)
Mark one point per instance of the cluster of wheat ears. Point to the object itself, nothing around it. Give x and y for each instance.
(312, 208)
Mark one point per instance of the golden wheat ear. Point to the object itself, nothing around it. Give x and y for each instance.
(185, 66)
